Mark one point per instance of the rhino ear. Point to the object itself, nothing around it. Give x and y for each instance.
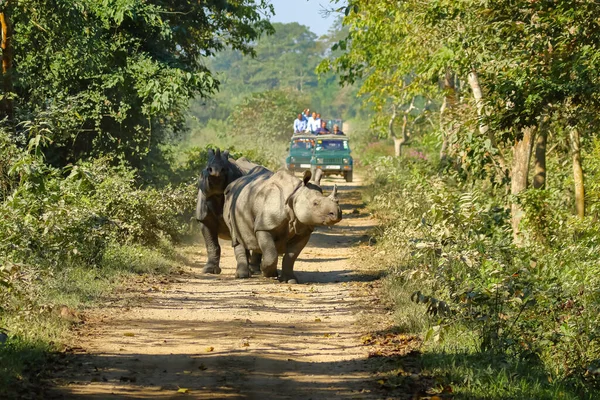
(306, 177)
(318, 175)
(211, 153)
(226, 155)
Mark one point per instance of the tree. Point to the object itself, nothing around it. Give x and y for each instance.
(268, 116)
(116, 76)
(522, 61)
(285, 60)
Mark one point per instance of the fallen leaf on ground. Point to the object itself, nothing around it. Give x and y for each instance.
(183, 390)
(130, 334)
(202, 367)
(209, 349)
(317, 319)
(187, 372)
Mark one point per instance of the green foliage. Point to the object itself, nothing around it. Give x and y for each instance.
(451, 244)
(267, 115)
(116, 76)
(51, 219)
(285, 62)
(592, 173)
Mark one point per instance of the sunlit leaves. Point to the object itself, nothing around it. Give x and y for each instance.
(116, 75)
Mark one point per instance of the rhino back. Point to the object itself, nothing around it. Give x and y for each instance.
(240, 199)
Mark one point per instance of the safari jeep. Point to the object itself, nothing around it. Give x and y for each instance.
(301, 151)
(331, 154)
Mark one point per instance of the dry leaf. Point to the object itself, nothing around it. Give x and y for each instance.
(245, 344)
(183, 390)
(202, 367)
(187, 372)
(317, 319)
(209, 349)
(129, 334)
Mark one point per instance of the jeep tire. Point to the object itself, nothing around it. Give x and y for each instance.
(348, 176)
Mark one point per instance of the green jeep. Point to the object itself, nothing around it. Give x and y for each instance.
(331, 154)
(301, 151)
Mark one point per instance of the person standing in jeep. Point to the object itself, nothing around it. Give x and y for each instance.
(299, 124)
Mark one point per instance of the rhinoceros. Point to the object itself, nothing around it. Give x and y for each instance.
(275, 213)
(220, 171)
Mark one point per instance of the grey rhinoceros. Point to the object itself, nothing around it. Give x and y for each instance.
(275, 213)
(220, 171)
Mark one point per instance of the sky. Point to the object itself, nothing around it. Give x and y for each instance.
(305, 12)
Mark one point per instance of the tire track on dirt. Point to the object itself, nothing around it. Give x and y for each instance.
(216, 337)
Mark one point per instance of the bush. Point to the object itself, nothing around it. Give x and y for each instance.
(451, 242)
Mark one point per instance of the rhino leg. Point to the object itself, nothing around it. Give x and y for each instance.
(255, 260)
(292, 251)
(241, 255)
(267, 246)
(210, 231)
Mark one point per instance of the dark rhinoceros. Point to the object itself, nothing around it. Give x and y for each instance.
(275, 213)
(220, 171)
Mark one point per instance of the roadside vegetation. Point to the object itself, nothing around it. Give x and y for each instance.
(489, 206)
(94, 190)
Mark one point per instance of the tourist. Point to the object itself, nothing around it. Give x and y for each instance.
(299, 124)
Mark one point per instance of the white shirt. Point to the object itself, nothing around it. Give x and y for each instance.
(313, 124)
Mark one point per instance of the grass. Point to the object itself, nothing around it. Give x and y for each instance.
(32, 317)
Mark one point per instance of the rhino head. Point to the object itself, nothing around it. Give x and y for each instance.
(216, 170)
(311, 207)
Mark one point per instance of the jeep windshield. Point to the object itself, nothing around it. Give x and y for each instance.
(331, 144)
(302, 144)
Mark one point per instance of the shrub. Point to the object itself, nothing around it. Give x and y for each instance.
(451, 241)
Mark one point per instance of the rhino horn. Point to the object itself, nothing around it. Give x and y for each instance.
(333, 195)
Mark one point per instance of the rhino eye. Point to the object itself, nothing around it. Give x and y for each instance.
(316, 203)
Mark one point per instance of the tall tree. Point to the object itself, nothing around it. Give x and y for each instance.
(6, 104)
(574, 141)
(116, 76)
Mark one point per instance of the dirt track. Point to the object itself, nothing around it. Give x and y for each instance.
(219, 337)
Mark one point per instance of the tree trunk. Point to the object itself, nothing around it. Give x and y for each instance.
(478, 95)
(6, 105)
(484, 130)
(539, 172)
(447, 105)
(392, 133)
(518, 183)
(577, 172)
